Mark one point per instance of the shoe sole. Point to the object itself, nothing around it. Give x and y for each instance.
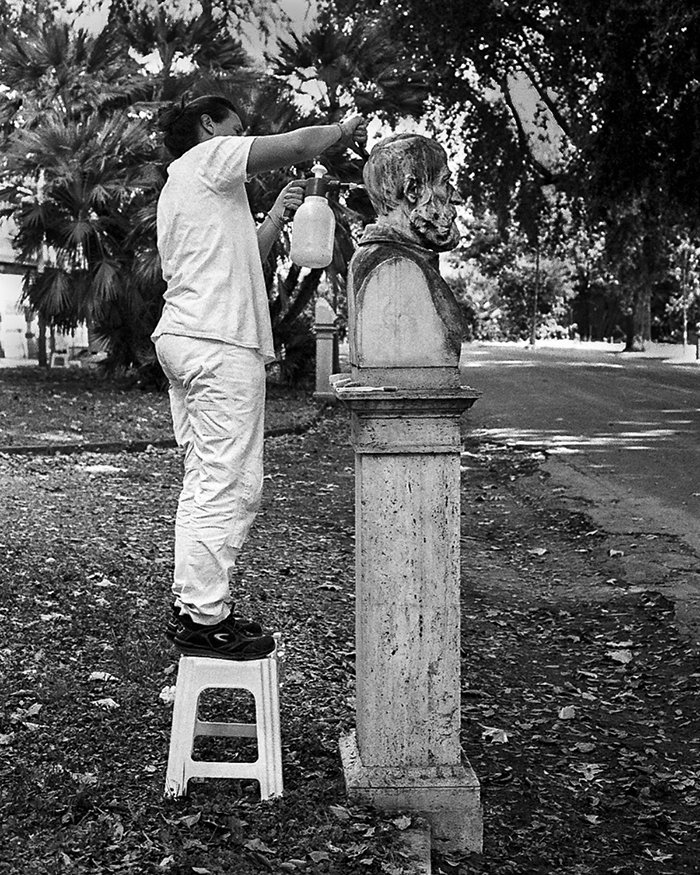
(255, 632)
(217, 654)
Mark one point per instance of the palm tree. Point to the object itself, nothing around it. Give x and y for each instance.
(356, 63)
(82, 167)
(49, 65)
(75, 216)
(82, 170)
(347, 66)
(72, 157)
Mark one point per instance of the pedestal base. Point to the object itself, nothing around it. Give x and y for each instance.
(446, 796)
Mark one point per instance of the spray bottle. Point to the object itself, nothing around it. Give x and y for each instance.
(313, 228)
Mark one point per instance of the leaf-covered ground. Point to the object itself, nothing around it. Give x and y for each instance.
(72, 407)
(580, 697)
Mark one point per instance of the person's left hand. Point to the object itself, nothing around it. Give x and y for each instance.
(353, 134)
(288, 200)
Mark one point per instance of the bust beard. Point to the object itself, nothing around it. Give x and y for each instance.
(435, 226)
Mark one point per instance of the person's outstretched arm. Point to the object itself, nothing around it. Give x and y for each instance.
(283, 150)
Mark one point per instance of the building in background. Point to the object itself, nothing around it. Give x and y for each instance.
(18, 324)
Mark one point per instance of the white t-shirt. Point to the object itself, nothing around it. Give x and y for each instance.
(209, 249)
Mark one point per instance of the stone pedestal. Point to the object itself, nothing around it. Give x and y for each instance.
(326, 331)
(405, 754)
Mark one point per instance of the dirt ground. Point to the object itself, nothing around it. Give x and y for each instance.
(579, 680)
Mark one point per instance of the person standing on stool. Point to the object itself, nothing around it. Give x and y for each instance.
(213, 341)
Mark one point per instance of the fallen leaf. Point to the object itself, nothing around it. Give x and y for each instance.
(257, 845)
(588, 771)
(102, 676)
(623, 656)
(106, 704)
(167, 694)
(657, 856)
(402, 822)
(567, 713)
(84, 779)
(498, 736)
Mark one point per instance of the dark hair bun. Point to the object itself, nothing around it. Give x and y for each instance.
(180, 121)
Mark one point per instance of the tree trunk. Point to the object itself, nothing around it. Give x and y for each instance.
(535, 296)
(41, 350)
(642, 280)
(639, 321)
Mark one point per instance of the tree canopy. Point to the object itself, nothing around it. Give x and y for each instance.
(574, 129)
(599, 99)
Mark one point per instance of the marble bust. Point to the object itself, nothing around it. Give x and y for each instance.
(405, 327)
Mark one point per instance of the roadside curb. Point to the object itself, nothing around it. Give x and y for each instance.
(141, 446)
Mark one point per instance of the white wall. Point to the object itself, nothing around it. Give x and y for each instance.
(13, 325)
(12, 322)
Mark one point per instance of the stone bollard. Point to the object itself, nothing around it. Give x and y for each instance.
(326, 331)
(406, 402)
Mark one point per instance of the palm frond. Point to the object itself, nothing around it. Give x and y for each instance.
(106, 282)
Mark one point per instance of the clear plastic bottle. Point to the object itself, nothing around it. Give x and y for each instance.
(313, 228)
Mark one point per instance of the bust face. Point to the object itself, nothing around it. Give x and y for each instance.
(433, 217)
(408, 181)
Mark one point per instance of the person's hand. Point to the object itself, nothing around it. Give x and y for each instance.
(288, 201)
(354, 133)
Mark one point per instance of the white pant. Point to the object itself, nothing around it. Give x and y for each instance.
(217, 398)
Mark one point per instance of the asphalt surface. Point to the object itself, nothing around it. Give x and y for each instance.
(619, 435)
(623, 427)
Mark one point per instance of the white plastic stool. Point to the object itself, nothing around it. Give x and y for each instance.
(259, 677)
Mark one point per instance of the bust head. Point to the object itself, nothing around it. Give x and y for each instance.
(408, 182)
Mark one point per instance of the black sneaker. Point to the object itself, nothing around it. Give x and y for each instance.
(225, 640)
(250, 627)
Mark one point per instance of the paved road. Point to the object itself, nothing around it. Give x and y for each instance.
(625, 427)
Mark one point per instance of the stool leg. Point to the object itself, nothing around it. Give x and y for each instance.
(269, 735)
(182, 731)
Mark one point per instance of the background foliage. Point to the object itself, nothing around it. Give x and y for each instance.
(573, 130)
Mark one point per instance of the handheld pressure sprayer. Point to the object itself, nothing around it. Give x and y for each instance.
(313, 228)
